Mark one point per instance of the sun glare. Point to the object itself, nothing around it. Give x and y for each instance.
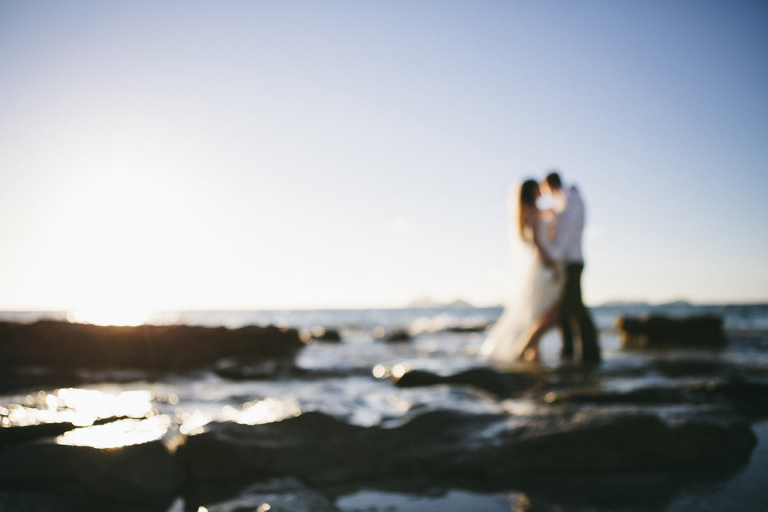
(119, 433)
(110, 316)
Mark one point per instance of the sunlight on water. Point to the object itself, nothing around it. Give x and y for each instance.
(135, 414)
(520, 407)
(192, 423)
(125, 315)
(80, 407)
(95, 404)
(263, 411)
(20, 416)
(118, 433)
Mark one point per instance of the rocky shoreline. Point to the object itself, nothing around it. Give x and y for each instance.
(320, 450)
(578, 426)
(561, 436)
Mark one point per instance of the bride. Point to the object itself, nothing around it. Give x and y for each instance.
(517, 334)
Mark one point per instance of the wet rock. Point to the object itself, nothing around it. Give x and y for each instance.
(318, 448)
(663, 332)
(110, 419)
(31, 379)
(748, 397)
(480, 327)
(320, 333)
(34, 378)
(268, 369)
(276, 495)
(644, 396)
(28, 501)
(134, 474)
(608, 442)
(498, 383)
(590, 491)
(13, 435)
(572, 492)
(311, 443)
(156, 348)
(397, 335)
(282, 369)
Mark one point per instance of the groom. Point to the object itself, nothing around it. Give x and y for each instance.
(569, 214)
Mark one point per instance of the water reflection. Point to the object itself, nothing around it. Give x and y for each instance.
(94, 404)
(264, 411)
(109, 420)
(192, 423)
(118, 433)
(381, 371)
(80, 407)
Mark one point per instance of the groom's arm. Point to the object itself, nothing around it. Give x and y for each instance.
(567, 232)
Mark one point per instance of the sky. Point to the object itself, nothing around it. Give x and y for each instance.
(304, 154)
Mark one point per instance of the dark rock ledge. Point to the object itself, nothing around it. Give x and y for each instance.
(51, 350)
(659, 331)
(142, 473)
(502, 384)
(319, 449)
(747, 394)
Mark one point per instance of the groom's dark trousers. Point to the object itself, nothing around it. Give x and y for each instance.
(572, 311)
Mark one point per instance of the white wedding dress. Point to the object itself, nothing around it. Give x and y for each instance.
(540, 288)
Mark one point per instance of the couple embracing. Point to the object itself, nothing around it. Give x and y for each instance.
(549, 254)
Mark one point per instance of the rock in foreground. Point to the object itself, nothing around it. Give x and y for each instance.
(318, 448)
(139, 473)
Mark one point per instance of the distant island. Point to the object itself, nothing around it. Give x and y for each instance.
(427, 302)
(643, 304)
(623, 304)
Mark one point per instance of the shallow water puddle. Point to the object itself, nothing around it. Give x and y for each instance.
(452, 501)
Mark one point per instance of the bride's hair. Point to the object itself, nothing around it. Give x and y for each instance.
(528, 191)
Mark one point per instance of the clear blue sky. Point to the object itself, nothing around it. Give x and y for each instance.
(354, 154)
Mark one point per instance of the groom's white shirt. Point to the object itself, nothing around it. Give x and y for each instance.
(569, 215)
